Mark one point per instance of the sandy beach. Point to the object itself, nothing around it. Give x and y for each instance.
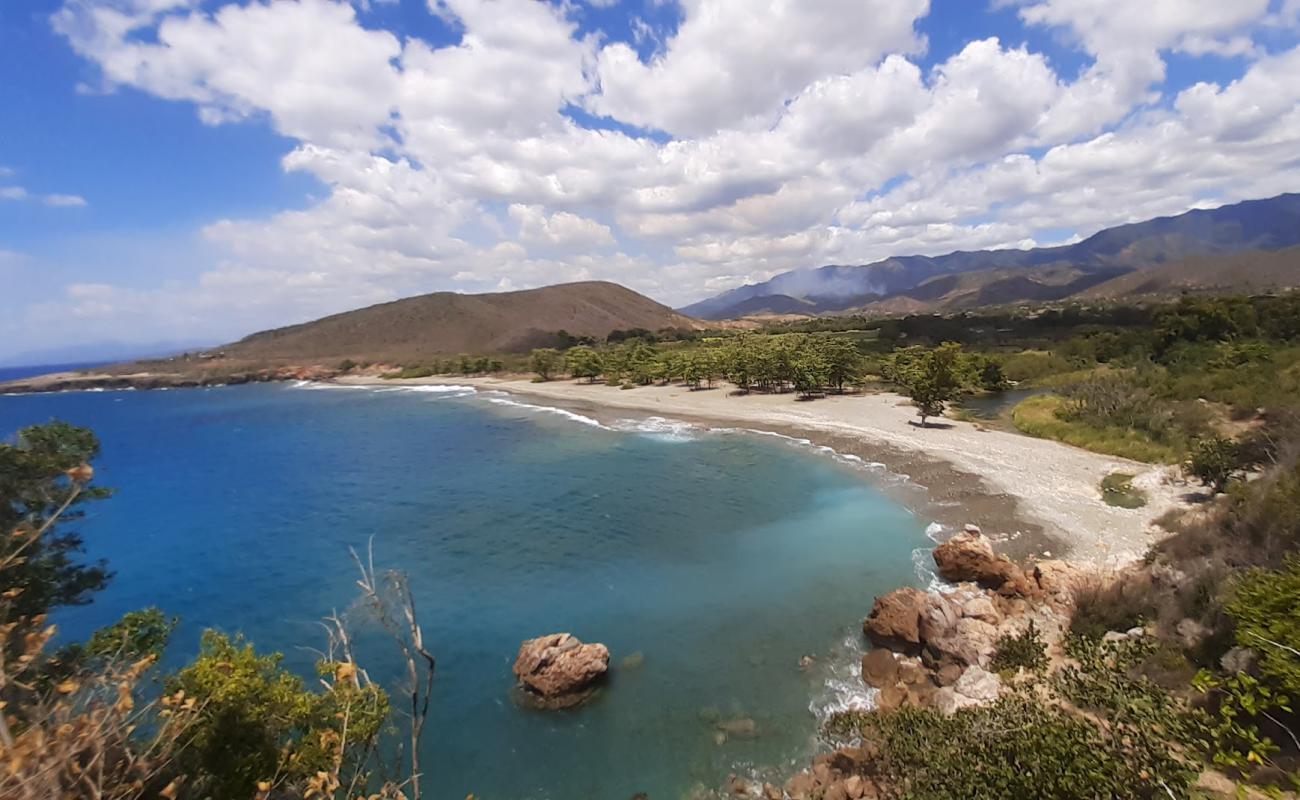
(1039, 498)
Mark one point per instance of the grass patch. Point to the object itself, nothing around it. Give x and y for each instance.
(1117, 490)
(1037, 416)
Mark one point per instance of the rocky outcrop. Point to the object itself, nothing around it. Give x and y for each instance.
(559, 671)
(968, 557)
(895, 619)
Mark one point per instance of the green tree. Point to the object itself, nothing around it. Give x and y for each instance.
(46, 477)
(546, 362)
(584, 362)
(842, 359)
(810, 372)
(932, 379)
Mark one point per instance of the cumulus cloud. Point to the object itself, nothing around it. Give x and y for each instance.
(811, 133)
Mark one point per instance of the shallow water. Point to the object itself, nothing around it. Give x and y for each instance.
(722, 558)
(997, 405)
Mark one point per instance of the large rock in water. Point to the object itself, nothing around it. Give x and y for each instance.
(895, 620)
(969, 557)
(559, 671)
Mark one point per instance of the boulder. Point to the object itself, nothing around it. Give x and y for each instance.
(1192, 634)
(800, 786)
(979, 685)
(969, 557)
(879, 668)
(743, 728)
(982, 608)
(895, 620)
(939, 617)
(559, 671)
(1058, 580)
(892, 698)
(970, 642)
(948, 674)
(974, 688)
(1238, 660)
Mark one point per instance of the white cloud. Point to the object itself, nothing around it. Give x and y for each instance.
(20, 193)
(64, 200)
(307, 63)
(561, 229)
(808, 134)
(731, 65)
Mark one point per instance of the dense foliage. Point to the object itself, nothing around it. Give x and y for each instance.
(45, 474)
(257, 722)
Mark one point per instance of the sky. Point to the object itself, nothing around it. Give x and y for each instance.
(194, 170)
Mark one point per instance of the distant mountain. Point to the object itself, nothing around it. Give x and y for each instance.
(447, 323)
(1008, 276)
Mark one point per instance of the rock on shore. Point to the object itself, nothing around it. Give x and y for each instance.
(559, 671)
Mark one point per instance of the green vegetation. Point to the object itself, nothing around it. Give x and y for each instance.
(1117, 490)
(43, 477)
(1025, 651)
(1042, 416)
(1214, 460)
(1263, 608)
(256, 720)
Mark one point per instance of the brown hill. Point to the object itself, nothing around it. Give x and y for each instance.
(446, 323)
(1252, 271)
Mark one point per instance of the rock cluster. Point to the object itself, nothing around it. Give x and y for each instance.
(841, 775)
(968, 557)
(935, 648)
(559, 671)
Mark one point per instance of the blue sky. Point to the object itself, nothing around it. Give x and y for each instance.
(186, 170)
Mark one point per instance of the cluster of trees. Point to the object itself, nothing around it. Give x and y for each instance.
(81, 721)
(807, 364)
(802, 363)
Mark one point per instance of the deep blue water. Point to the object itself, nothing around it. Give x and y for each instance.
(721, 557)
(14, 373)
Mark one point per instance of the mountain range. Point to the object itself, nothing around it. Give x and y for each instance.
(1252, 244)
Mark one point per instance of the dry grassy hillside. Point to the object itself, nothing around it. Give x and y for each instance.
(1252, 271)
(446, 323)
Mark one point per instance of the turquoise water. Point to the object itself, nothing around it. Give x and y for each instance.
(722, 558)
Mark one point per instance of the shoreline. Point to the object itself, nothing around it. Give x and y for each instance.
(1035, 498)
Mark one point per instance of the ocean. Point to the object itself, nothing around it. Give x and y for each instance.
(717, 560)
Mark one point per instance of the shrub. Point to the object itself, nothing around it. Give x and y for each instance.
(257, 722)
(1214, 461)
(1018, 746)
(1025, 651)
(1263, 605)
(1117, 604)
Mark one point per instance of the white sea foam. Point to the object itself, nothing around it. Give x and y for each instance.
(842, 687)
(437, 390)
(503, 401)
(660, 428)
